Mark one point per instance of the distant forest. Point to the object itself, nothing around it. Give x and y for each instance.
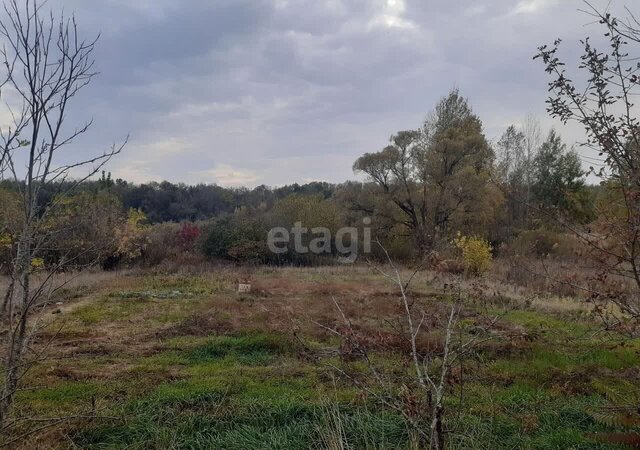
(179, 202)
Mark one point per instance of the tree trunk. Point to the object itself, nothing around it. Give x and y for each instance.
(437, 435)
(8, 298)
(17, 335)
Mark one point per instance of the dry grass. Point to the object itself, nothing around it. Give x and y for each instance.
(107, 314)
(550, 287)
(121, 336)
(67, 286)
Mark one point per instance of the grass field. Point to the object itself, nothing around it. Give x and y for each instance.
(186, 362)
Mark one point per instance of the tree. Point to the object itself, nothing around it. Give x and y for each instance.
(511, 156)
(533, 140)
(513, 168)
(311, 210)
(457, 159)
(604, 106)
(437, 176)
(394, 171)
(47, 64)
(557, 179)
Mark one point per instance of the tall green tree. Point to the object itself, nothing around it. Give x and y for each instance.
(559, 186)
(435, 178)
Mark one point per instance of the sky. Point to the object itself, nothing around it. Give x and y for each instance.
(250, 92)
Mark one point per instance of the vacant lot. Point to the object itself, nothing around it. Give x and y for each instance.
(184, 361)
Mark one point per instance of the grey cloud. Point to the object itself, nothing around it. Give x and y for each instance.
(277, 91)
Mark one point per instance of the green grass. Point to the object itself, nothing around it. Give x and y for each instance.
(209, 420)
(110, 309)
(542, 363)
(254, 349)
(67, 392)
(244, 391)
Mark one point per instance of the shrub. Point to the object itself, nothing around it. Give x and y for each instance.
(133, 237)
(237, 238)
(172, 242)
(10, 224)
(163, 244)
(543, 243)
(6, 251)
(81, 229)
(476, 254)
(188, 235)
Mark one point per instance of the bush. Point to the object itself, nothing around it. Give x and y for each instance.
(188, 235)
(82, 230)
(174, 242)
(543, 243)
(476, 254)
(133, 236)
(163, 244)
(237, 238)
(10, 223)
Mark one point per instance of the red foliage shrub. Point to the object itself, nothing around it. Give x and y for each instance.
(188, 234)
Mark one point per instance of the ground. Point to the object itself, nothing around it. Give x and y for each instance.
(184, 361)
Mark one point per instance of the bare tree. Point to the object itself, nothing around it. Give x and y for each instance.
(604, 106)
(47, 64)
(532, 143)
(423, 399)
(512, 173)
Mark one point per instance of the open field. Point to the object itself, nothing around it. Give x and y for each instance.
(185, 362)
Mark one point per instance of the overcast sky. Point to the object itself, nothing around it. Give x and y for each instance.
(249, 92)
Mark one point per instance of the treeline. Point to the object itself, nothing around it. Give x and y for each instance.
(170, 202)
(423, 189)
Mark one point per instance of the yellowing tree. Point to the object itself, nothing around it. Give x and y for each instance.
(476, 254)
(133, 236)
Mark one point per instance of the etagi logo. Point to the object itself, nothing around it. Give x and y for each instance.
(346, 241)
